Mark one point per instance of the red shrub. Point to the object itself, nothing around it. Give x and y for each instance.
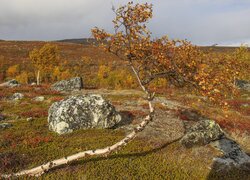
(233, 125)
(48, 92)
(35, 113)
(2, 95)
(31, 94)
(238, 106)
(54, 99)
(36, 141)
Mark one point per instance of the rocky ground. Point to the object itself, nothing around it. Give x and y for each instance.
(157, 152)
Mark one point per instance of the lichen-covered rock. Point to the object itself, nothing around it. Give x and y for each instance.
(16, 96)
(68, 85)
(82, 112)
(203, 132)
(11, 83)
(233, 155)
(243, 84)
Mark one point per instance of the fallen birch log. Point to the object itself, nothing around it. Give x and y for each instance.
(39, 170)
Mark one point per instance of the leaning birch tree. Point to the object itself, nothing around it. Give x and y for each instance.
(181, 63)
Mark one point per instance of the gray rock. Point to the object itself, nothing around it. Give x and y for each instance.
(233, 155)
(82, 112)
(243, 84)
(39, 98)
(2, 117)
(11, 83)
(68, 85)
(16, 96)
(5, 125)
(201, 133)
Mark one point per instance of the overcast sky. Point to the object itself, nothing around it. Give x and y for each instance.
(203, 22)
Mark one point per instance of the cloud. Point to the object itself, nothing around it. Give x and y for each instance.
(204, 22)
(201, 21)
(46, 19)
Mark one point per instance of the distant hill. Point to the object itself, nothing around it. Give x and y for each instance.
(220, 48)
(84, 41)
(89, 41)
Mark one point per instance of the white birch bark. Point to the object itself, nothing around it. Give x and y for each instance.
(38, 78)
(39, 170)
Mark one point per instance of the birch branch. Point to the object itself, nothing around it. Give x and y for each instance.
(39, 170)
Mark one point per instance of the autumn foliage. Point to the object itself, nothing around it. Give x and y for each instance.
(44, 59)
(177, 61)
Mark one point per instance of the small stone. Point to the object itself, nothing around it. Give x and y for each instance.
(2, 117)
(30, 119)
(11, 83)
(5, 125)
(39, 98)
(245, 105)
(17, 96)
(243, 84)
(33, 84)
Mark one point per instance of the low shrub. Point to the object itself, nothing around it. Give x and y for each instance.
(35, 113)
(10, 162)
(36, 141)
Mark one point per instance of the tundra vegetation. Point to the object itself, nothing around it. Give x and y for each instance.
(169, 67)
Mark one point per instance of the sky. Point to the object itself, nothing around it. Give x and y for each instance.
(203, 22)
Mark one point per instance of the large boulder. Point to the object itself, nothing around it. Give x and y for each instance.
(68, 85)
(201, 133)
(82, 112)
(11, 83)
(233, 155)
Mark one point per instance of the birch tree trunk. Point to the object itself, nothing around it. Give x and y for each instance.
(38, 77)
(38, 171)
